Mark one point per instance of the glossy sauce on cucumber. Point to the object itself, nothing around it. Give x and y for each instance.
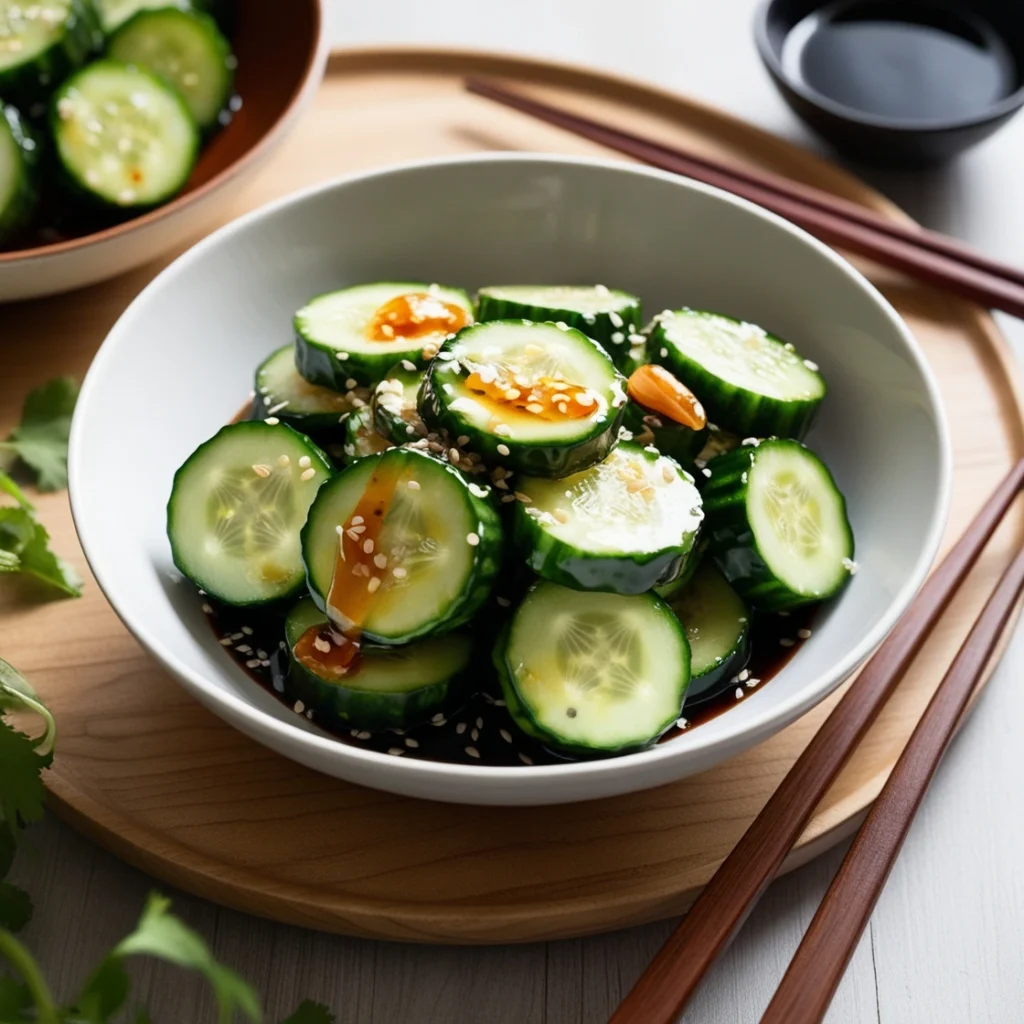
(255, 641)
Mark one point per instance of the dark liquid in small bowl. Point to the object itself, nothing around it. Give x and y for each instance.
(902, 60)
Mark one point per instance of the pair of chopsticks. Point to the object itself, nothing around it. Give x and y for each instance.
(813, 976)
(926, 255)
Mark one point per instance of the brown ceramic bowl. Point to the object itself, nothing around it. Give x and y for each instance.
(280, 63)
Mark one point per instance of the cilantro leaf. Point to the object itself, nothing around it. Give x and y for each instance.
(311, 1013)
(41, 439)
(160, 934)
(15, 908)
(8, 485)
(25, 539)
(21, 788)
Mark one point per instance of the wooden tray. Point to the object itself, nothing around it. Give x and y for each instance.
(150, 774)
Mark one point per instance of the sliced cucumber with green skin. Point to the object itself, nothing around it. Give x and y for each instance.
(237, 505)
(186, 50)
(623, 526)
(749, 381)
(607, 315)
(361, 436)
(282, 393)
(383, 688)
(19, 157)
(439, 545)
(333, 331)
(676, 440)
(777, 525)
(40, 43)
(693, 562)
(592, 674)
(125, 141)
(395, 410)
(527, 356)
(717, 625)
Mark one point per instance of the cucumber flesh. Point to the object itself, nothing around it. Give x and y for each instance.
(351, 333)
(282, 393)
(184, 49)
(236, 508)
(607, 315)
(361, 436)
(374, 688)
(18, 159)
(123, 138)
(503, 384)
(749, 381)
(777, 524)
(400, 547)
(395, 410)
(593, 674)
(625, 525)
(717, 627)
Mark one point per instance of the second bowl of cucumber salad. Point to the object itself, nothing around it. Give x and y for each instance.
(604, 486)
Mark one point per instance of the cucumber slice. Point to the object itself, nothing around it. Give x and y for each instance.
(607, 315)
(502, 385)
(361, 437)
(777, 525)
(371, 688)
(750, 382)
(717, 627)
(593, 674)
(236, 508)
(41, 41)
(19, 193)
(124, 140)
(625, 525)
(281, 392)
(693, 562)
(434, 547)
(186, 50)
(394, 405)
(345, 334)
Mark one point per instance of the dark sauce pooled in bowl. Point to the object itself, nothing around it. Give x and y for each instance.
(481, 731)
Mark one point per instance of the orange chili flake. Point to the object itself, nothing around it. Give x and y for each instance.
(547, 398)
(656, 389)
(415, 315)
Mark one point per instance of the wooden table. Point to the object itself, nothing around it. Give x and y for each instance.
(946, 943)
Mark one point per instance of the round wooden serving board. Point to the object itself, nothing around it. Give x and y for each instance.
(147, 772)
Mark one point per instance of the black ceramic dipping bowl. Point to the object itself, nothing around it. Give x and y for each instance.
(897, 82)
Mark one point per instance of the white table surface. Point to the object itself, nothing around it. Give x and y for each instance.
(946, 942)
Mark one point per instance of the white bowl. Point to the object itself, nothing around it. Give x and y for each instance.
(180, 360)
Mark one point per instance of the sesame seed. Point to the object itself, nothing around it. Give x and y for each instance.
(351, 383)
(503, 449)
(751, 441)
(261, 470)
(739, 693)
(667, 474)
(507, 498)
(438, 718)
(811, 365)
(373, 585)
(408, 364)
(524, 759)
(706, 471)
(681, 723)
(353, 534)
(207, 609)
(341, 355)
(752, 682)
(460, 728)
(244, 649)
(524, 498)
(503, 602)
(584, 398)
(368, 546)
(271, 421)
(396, 751)
(786, 641)
(283, 461)
(414, 485)
(225, 641)
(473, 752)
(503, 430)
(474, 734)
(305, 462)
(299, 707)
(453, 454)
(307, 474)
(399, 573)
(535, 408)
(850, 566)
(618, 337)
(278, 407)
(380, 560)
(472, 539)
(663, 353)
(744, 675)
(363, 734)
(505, 735)
(410, 742)
(322, 645)
(804, 634)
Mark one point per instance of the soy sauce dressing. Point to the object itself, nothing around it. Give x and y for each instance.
(903, 60)
(255, 640)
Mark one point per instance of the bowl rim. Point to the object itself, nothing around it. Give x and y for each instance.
(259, 723)
(902, 125)
(316, 59)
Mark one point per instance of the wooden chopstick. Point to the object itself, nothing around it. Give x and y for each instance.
(664, 989)
(924, 255)
(819, 963)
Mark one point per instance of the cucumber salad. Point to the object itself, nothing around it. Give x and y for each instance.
(104, 108)
(513, 527)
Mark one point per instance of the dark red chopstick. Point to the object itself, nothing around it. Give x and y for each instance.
(924, 255)
(667, 985)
